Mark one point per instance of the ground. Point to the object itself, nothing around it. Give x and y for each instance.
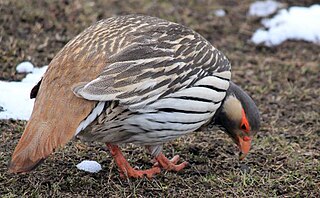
(283, 80)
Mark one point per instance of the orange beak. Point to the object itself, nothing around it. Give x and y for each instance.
(244, 146)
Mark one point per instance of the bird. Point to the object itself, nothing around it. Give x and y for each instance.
(135, 79)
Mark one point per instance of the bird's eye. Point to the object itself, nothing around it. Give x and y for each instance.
(244, 123)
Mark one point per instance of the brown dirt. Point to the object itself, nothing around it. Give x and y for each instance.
(283, 80)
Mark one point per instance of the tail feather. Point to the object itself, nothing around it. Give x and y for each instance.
(52, 124)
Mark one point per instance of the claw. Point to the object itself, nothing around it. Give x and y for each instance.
(170, 165)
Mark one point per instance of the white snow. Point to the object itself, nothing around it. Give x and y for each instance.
(25, 67)
(264, 8)
(89, 166)
(296, 23)
(15, 99)
(220, 13)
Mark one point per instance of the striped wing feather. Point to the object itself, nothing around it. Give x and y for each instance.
(144, 72)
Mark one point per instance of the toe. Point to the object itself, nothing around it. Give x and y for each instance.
(175, 159)
(180, 166)
(153, 171)
(133, 173)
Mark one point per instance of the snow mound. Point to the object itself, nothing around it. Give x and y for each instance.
(220, 13)
(297, 23)
(264, 8)
(15, 99)
(89, 166)
(25, 67)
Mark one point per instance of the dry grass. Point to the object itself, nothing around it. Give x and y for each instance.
(284, 81)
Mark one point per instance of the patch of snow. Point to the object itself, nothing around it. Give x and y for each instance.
(25, 67)
(89, 166)
(220, 13)
(263, 8)
(296, 23)
(15, 99)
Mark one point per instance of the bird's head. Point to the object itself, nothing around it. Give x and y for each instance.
(239, 118)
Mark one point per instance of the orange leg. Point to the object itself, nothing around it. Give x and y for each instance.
(124, 167)
(170, 165)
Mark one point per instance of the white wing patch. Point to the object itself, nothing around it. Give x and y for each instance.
(224, 74)
(214, 82)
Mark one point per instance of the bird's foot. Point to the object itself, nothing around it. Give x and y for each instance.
(126, 171)
(133, 173)
(170, 165)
